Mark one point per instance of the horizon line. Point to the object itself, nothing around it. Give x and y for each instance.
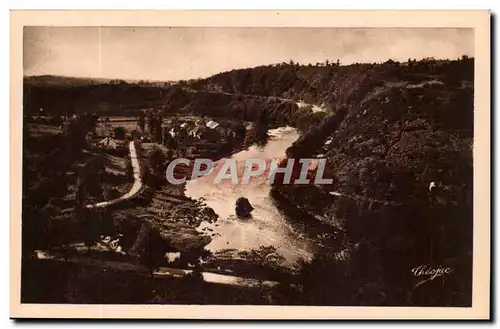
(235, 69)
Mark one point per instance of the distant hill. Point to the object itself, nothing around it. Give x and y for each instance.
(59, 80)
(59, 95)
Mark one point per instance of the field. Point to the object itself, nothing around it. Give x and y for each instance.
(37, 129)
(106, 128)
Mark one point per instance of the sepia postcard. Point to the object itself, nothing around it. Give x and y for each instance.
(250, 165)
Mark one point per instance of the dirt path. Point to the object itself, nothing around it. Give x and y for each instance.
(135, 188)
(361, 197)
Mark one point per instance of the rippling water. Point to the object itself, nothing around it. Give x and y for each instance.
(268, 226)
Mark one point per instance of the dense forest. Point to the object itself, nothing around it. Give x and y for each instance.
(398, 141)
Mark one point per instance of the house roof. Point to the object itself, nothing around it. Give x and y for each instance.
(212, 124)
(108, 140)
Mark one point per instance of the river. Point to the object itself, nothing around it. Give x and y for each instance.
(268, 226)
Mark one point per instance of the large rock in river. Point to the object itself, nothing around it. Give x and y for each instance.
(243, 207)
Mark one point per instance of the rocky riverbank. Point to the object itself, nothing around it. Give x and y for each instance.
(167, 208)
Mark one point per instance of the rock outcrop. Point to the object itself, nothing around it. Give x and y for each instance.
(243, 207)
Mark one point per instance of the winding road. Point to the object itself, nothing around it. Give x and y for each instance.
(135, 188)
(300, 104)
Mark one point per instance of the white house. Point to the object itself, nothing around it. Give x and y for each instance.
(212, 124)
(109, 143)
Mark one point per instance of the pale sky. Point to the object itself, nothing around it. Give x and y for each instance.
(184, 53)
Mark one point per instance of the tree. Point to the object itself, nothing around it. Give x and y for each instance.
(119, 132)
(134, 134)
(266, 259)
(259, 134)
(157, 161)
(330, 280)
(90, 180)
(169, 141)
(141, 121)
(240, 131)
(149, 121)
(91, 220)
(56, 121)
(62, 230)
(76, 138)
(150, 247)
(89, 122)
(157, 128)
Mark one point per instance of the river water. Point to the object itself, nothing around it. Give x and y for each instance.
(268, 226)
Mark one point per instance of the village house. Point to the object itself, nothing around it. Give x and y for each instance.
(196, 132)
(108, 143)
(215, 131)
(209, 130)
